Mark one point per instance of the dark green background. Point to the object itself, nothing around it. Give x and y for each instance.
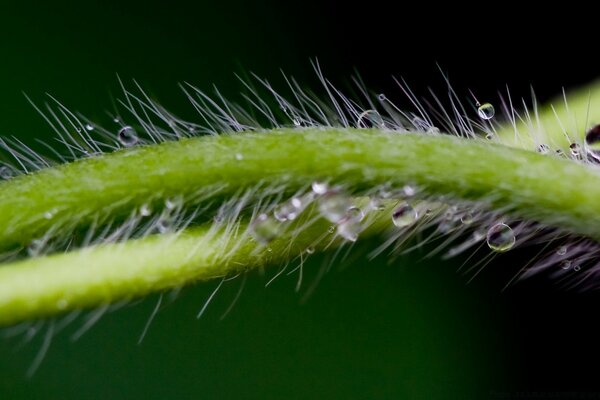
(410, 329)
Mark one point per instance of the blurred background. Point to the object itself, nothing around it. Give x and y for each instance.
(407, 328)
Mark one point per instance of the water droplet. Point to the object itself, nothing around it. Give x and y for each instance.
(89, 127)
(264, 229)
(381, 97)
(489, 136)
(296, 122)
(543, 148)
(145, 210)
(575, 149)
(6, 172)
(376, 203)
(333, 206)
(486, 111)
(500, 238)
(404, 215)
(239, 156)
(370, 119)
(409, 191)
(592, 142)
(562, 250)
(577, 268)
(355, 213)
(467, 218)
(117, 120)
(127, 136)
(349, 229)
(174, 203)
(310, 250)
(289, 210)
(565, 264)
(319, 187)
(331, 229)
(164, 223)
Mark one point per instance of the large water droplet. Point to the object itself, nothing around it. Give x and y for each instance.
(404, 215)
(264, 229)
(334, 206)
(349, 229)
(127, 136)
(500, 238)
(486, 111)
(592, 142)
(370, 119)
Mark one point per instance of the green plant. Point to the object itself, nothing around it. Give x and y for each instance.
(167, 213)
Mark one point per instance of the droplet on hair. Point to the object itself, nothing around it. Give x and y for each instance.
(355, 213)
(575, 149)
(501, 238)
(370, 119)
(145, 210)
(467, 218)
(334, 206)
(319, 187)
(127, 136)
(164, 223)
(565, 264)
(264, 229)
(35, 247)
(349, 229)
(562, 250)
(289, 210)
(381, 97)
(89, 127)
(310, 250)
(404, 215)
(486, 111)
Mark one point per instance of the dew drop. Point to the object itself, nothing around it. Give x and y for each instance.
(467, 218)
(565, 264)
(404, 215)
(592, 142)
(355, 213)
(289, 210)
(375, 203)
(575, 149)
(486, 111)
(489, 136)
(174, 203)
(127, 136)
(310, 250)
(500, 238)
(381, 97)
(117, 120)
(164, 224)
(409, 191)
(370, 119)
(562, 250)
(543, 148)
(6, 172)
(145, 210)
(577, 267)
(89, 127)
(334, 206)
(35, 248)
(349, 229)
(296, 122)
(264, 229)
(319, 187)
(239, 156)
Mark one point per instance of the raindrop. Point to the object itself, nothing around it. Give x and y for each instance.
(562, 250)
(381, 97)
(486, 111)
(404, 215)
(334, 206)
(319, 187)
(500, 238)
(370, 119)
(127, 136)
(264, 228)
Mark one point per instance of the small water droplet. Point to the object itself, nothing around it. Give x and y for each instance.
(409, 191)
(35, 247)
(489, 136)
(296, 122)
(310, 250)
(117, 120)
(127, 136)
(381, 97)
(376, 203)
(349, 229)
(577, 268)
(333, 206)
(562, 250)
(289, 210)
(164, 223)
(319, 187)
(331, 229)
(145, 210)
(592, 142)
(543, 148)
(575, 149)
(565, 264)
(486, 111)
(501, 238)
(264, 229)
(467, 218)
(6, 172)
(355, 213)
(89, 127)
(404, 215)
(370, 119)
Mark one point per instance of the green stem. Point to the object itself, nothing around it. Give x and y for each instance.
(547, 189)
